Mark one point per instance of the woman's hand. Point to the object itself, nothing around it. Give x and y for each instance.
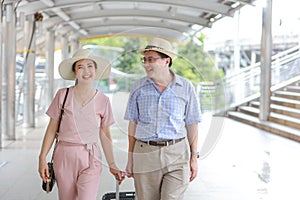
(118, 174)
(43, 169)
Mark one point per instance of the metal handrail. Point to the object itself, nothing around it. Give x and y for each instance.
(244, 85)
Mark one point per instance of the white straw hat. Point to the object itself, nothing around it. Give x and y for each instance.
(102, 70)
(159, 45)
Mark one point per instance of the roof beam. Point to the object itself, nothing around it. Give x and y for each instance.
(142, 13)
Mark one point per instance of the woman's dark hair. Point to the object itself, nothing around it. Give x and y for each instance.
(74, 64)
(162, 55)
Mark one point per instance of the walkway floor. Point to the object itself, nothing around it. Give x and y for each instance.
(245, 164)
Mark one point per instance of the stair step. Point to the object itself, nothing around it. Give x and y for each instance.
(284, 120)
(293, 88)
(254, 104)
(272, 127)
(285, 102)
(274, 117)
(292, 112)
(287, 94)
(249, 110)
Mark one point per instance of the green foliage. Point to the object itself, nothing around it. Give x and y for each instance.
(129, 61)
(193, 62)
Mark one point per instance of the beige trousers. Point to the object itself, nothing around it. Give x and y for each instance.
(161, 173)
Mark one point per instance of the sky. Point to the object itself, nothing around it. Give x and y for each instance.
(285, 21)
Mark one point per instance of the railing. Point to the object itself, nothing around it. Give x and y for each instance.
(215, 97)
(244, 85)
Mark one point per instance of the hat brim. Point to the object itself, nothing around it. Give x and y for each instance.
(102, 71)
(168, 53)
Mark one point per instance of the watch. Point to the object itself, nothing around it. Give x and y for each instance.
(195, 153)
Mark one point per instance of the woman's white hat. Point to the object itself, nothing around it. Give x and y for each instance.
(159, 45)
(102, 70)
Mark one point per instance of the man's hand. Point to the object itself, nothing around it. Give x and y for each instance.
(194, 167)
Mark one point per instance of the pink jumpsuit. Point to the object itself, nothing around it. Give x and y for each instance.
(77, 158)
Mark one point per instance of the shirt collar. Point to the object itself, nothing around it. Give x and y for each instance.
(176, 79)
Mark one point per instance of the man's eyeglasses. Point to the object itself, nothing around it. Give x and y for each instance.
(150, 59)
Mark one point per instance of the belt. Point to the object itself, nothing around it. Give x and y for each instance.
(162, 143)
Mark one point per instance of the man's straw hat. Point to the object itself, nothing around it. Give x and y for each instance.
(159, 45)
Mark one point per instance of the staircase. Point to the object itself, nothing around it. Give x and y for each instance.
(237, 95)
(284, 118)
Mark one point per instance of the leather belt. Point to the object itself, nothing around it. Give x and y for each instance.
(163, 143)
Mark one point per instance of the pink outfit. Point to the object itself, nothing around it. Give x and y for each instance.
(77, 158)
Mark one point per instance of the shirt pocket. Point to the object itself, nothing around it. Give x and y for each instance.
(176, 106)
(147, 107)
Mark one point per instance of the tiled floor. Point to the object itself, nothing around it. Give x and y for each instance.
(238, 162)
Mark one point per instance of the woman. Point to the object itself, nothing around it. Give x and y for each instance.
(87, 116)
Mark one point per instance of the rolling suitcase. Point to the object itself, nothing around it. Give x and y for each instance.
(119, 195)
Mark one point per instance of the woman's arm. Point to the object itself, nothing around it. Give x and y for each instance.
(107, 145)
(46, 146)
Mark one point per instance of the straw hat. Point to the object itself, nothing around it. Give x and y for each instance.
(103, 65)
(159, 45)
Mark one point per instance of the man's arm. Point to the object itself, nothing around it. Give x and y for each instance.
(192, 133)
(131, 140)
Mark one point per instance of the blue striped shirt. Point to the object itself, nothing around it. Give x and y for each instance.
(162, 115)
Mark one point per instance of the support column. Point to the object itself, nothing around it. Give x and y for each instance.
(266, 54)
(1, 66)
(50, 66)
(64, 47)
(237, 46)
(64, 52)
(252, 72)
(239, 92)
(74, 45)
(9, 72)
(29, 70)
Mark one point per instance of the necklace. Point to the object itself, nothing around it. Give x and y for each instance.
(85, 98)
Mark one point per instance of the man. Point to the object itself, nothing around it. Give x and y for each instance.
(163, 113)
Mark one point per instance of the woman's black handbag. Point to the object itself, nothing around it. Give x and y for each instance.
(49, 184)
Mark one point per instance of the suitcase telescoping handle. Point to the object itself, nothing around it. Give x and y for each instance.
(117, 187)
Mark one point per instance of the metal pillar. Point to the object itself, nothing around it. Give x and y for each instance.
(266, 53)
(64, 51)
(29, 70)
(1, 34)
(64, 47)
(9, 72)
(50, 65)
(238, 90)
(74, 45)
(237, 46)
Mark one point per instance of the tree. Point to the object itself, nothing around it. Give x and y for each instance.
(194, 63)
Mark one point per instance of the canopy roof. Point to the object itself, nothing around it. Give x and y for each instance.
(170, 19)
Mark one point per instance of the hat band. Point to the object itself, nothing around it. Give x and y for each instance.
(153, 47)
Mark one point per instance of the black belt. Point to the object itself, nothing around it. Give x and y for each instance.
(162, 143)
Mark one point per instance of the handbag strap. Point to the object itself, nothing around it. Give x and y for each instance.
(59, 121)
(62, 110)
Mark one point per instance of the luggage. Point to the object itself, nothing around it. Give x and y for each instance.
(119, 195)
(122, 196)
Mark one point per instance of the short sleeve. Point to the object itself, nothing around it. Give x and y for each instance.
(107, 119)
(54, 108)
(193, 113)
(131, 113)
